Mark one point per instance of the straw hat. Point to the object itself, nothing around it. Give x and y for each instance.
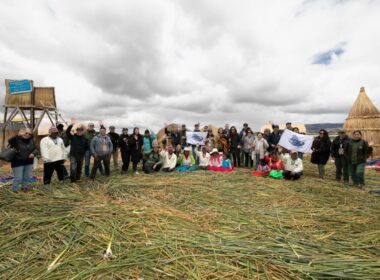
(214, 151)
(187, 149)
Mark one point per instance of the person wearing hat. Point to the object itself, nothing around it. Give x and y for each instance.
(22, 163)
(169, 159)
(153, 163)
(89, 135)
(204, 158)
(216, 159)
(293, 166)
(54, 154)
(78, 148)
(147, 147)
(115, 143)
(186, 161)
(338, 146)
(124, 150)
(101, 149)
(274, 138)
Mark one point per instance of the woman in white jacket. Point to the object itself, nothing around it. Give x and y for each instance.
(260, 146)
(53, 152)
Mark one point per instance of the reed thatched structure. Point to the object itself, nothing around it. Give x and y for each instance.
(364, 116)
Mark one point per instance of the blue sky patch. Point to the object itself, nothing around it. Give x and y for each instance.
(326, 57)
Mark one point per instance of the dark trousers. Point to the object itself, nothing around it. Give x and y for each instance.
(149, 169)
(50, 167)
(126, 158)
(167, 169)
(105, 159)
(357, 173)
(341, 165)
(235, 153)
(76, 164)
(289, 176)
(248, 159)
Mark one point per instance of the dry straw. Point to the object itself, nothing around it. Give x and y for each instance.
(364, 116)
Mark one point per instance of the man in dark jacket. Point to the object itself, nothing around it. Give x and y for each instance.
(124, 150)
(115, 142)
(78, 148)
(357, 151)
(337, 153)
(274, 137)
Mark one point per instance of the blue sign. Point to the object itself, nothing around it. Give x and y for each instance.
(20, 86)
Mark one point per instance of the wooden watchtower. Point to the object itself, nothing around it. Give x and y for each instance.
(30, 103)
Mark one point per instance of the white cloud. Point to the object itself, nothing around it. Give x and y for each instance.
(149, 62)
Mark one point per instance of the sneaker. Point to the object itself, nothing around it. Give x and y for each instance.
(136, 173)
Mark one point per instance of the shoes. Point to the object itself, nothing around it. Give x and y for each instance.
(136, 173)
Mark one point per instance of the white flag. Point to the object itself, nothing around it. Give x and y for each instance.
(196, 138)
(294, 141)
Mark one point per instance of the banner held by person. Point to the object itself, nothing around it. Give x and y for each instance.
(294, 141)
(196, 138)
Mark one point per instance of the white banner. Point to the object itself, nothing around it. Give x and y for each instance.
(294, 141)
(196, 138)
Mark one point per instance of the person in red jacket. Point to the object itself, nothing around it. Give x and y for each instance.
(275, 163)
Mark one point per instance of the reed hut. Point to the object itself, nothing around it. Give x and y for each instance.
(365, 117)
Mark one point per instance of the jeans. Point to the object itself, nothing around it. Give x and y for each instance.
(341, 165)
(50, 167)
(98, 162)
(248, 159)
(149, 168)
(76, 165)
(115, 158)
(257, 160)
(289, 176)
(21, 176)
(357, 173)
(321, 170)
(87, 160)
(126, 158)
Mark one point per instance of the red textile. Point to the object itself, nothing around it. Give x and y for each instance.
(260, 173)
(276, 165)
(220, 169)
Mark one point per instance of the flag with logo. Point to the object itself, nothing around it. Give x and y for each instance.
(196, 138)
(294, 141)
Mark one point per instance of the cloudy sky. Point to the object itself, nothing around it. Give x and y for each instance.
(147, 63)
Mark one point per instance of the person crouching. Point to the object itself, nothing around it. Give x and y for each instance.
(293, 166)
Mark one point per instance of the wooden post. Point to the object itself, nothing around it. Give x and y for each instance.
(4, 128)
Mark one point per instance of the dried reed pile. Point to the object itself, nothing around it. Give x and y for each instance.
(191, 226)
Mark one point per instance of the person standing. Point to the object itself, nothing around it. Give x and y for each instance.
(260, 147)
(78, 148)
(183, 136)
(63, 136)
(135, 146)
(234, 143)
(288, 126)
(53, 152)
(124, 150)
(274, 138)
(222, 142)
(115, 143)
(357, 151)
(338, 147)
(89, 135)
(101, 149)
(321, 151)
(226, 130)
(147, 147)
(296, 130)
(248, 140)
(22, 163)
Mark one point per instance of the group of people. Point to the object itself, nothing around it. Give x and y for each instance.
(221, 152)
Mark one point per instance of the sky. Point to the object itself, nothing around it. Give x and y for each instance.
(147, 63)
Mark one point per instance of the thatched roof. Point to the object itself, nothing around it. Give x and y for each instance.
(363, 106)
